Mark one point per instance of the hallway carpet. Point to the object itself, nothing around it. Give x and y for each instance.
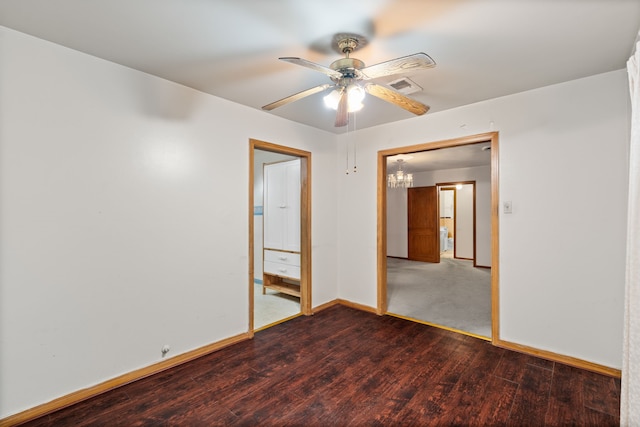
(452, 293)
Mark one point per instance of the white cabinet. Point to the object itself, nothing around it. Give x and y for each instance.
(285, 264)
(281, 228)
(282, 206)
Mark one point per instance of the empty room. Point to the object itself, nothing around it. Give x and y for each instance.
(147, 207)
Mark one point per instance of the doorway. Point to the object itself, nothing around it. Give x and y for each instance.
(447, 205)
(489, 141)
(270, 303)
(457, 213)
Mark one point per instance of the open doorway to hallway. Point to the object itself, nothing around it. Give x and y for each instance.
(458, 290)
(279, 232)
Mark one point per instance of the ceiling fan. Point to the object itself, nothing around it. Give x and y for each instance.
(351, 80)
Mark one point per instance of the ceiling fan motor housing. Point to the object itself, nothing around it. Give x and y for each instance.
(348, 67)
(346, 43)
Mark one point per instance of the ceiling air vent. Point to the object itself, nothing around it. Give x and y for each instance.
(405, 85)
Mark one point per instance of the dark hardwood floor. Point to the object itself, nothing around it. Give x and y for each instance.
(347, 367)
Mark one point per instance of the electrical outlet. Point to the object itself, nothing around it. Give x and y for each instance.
(165, 350)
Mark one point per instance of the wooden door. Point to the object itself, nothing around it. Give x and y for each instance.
(423, 233)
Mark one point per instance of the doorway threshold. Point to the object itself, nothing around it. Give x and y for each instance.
(435, 325)
(262, 328)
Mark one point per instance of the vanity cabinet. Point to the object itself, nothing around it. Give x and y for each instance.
(281, 228)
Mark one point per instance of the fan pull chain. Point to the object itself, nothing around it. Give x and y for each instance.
(355, 166)
(347, 148)
(348, 139)
(347, 169)
(355, 161)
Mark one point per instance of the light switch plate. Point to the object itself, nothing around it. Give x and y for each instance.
(508, 208)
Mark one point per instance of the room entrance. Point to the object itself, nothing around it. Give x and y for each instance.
(279, 234)
(391, 258)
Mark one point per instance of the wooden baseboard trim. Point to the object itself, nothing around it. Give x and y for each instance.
(87, 393)
(346, 303)
(357, 306)
(325, 306)
(138, 374)
(567, 360)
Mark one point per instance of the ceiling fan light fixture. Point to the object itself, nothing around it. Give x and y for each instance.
(355, 96)
(332, 99)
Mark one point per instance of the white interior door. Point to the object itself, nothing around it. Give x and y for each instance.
(291, 210)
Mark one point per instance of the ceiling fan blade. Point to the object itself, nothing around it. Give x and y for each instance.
(404, 64)
(312, 65)
(342, 115)
(397, 98)
(296, 97)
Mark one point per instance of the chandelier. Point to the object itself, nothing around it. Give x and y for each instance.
(400, 179)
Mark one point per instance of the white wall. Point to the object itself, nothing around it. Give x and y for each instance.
(397, 223)
(561, 252)
(121, 230)
(124, 218)
(464, 223)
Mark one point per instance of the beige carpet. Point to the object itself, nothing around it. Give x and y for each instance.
(451, 293)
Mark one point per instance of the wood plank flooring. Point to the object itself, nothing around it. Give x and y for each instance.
(347, 367)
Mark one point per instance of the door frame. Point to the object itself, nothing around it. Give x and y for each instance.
(451, 186)
(489, 137)
(446, 187)
(305, 223)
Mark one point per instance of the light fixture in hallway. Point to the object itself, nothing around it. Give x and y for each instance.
(400, 179)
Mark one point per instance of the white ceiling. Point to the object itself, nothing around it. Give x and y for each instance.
(464, 156)
(229, 48)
